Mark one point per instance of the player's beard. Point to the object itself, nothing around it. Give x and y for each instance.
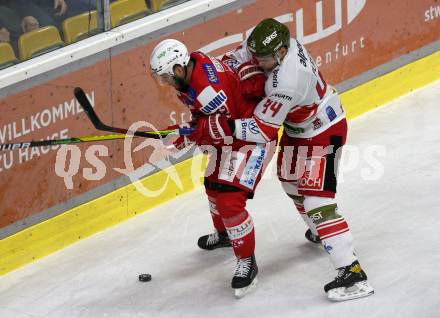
(182, 83)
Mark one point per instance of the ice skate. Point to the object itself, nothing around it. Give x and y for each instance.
(245, 276)
(214, 240)
(350, 283)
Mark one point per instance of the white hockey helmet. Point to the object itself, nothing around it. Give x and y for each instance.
(166, 54)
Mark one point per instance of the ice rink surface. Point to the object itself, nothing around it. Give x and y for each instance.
(390, 195)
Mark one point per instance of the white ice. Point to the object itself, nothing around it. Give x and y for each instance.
(394, 217)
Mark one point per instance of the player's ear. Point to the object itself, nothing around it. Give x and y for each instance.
(282, 51)
(179, 70)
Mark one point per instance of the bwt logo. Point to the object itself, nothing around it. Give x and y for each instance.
(211, 73)
(353, 7)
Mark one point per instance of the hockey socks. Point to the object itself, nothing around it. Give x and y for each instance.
(215, 215)
(242, 235)
(311, 234)
(334, 233)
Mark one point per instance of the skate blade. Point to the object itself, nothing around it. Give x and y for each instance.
(240, 292)
(358, 290)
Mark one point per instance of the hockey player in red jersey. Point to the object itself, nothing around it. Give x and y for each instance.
(315, 129)
(212, 90)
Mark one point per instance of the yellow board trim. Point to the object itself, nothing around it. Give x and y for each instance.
(384, 89)
(89, 218)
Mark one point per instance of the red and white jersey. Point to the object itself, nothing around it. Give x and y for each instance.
(215, 88)
(297, 97)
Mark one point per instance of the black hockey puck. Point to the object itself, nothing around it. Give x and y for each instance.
(144, 277)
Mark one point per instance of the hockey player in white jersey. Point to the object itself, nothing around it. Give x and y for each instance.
(315, 129)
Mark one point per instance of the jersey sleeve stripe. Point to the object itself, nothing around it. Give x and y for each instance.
(268, 132)
(273, 125)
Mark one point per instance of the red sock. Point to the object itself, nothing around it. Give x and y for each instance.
(216, 217)
(238, 222)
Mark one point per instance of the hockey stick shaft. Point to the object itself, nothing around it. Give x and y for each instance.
(82, 99)
(54, 142)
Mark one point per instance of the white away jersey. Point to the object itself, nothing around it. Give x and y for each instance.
(296, 97)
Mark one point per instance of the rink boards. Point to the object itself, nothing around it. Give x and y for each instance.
(54, 224)
(99, 214)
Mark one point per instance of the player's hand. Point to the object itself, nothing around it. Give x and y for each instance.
(252, 80)
(182, 142)
(175, 142)
(248, 69)
(212, 130)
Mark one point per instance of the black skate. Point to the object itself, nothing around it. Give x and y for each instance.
(312, 237)
(245, 276)
(215, 240)
(350, 283)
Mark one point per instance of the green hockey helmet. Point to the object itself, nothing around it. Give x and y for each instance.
(267, 37)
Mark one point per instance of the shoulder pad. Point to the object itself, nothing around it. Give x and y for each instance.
(198, 56)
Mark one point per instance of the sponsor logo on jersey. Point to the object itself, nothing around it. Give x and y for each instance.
(253, 167)
(229, 170)
(253, 127)
(301, 54)
(243, 130)
(314, 68)
(231, 164)
(211, 73)
(218, 101)
(275, 78)
(317, 123)
(232, 64)
(331, 114)
(218, 66)
(282, 96)
(312, 178)
(269, 38)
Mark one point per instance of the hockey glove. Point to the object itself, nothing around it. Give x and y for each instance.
(173, 142)
(213, 130)
(182, 142)
(252, 80)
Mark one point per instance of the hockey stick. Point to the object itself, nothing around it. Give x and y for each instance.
(99, 125)
(120, 132)
(54, 142)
